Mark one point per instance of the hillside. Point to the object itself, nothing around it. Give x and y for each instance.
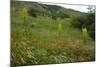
(47, 9)
(44, 34)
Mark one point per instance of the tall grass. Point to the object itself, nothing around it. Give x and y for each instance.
(43, 45)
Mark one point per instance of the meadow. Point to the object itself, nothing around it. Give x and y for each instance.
(43, 40)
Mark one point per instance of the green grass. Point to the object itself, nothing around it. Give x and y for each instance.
(38, 41)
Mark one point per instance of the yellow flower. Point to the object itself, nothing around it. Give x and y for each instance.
(60, 27)
(24, 12)
(85, 33)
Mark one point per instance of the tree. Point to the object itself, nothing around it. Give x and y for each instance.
(32, 12)
(80, 21)
(91, 22)
(87, 20)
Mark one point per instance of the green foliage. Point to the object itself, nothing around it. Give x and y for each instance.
(87, 21)
(91, 24)
(80, 21)
(33, 12)
(42, 44)
(62, 14)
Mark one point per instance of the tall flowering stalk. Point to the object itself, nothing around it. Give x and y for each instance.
(13, 10)
(85, 34)
(59, 26)
(14, 14)
(24, 14)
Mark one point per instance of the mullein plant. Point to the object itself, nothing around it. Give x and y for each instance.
(59, 26)
(13, 11)
(14, 14)
(85, 34)
(24, 15)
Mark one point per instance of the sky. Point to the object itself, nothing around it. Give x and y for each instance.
(75, 7)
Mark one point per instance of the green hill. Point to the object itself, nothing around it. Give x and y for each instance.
(44, 34)
(49, 10)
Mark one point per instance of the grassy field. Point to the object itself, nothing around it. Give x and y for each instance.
(42, 40)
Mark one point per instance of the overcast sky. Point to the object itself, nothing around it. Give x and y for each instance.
(76, 7)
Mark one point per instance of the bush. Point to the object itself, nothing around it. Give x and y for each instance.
(32, 12)
(87, 21)
(79, 21)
